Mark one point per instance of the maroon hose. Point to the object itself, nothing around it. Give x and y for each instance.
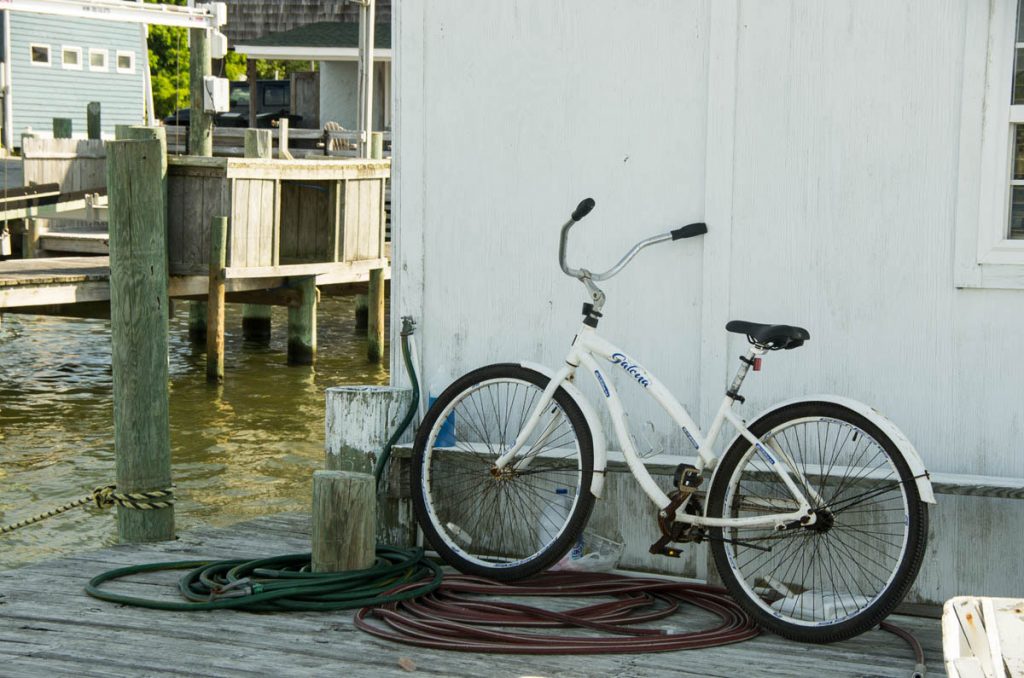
(463, 615)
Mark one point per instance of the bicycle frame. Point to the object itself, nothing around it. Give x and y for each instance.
(586, 347)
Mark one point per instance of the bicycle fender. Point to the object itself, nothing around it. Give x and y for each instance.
(903, 444)
(593, 421)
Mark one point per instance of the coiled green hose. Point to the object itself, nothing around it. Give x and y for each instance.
(286, 582)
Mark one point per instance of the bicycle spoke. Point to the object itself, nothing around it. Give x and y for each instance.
(839, 565)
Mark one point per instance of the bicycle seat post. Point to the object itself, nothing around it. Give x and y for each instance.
(752, 359)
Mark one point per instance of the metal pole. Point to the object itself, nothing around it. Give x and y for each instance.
(367, 11)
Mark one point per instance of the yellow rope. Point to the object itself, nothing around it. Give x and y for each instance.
(104, 497)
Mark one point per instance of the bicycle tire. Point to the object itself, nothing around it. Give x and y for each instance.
(505, 525)
(855, 565)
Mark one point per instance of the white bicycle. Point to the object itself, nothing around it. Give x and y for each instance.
(816, 514)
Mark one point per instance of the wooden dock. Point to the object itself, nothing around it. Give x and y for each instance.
(50, 627)
(53, 284)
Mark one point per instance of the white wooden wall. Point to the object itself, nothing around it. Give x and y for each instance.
(819, 141)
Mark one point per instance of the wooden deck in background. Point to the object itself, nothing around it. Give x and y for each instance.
(50, 627)
(61, 281)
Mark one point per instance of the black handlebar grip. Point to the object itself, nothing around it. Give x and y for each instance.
(689, 231)
(583, 209)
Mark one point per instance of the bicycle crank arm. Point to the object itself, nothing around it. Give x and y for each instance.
(661, 547)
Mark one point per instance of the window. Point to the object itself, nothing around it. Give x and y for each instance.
(97, 59)
(71, 58)
(989, 249)
(125, 62)
(277, 94)
(39, 55)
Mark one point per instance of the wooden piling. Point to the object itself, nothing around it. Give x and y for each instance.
(256, 322)
(375, 316)
(302, 323)
(215, 303)
(375, 300)
(197, 321)
(362, 311)
(34, 230)
(282, 139)
(359, 421)
(344, 523)
(200, 127)
(377, 145)
(62, 128)
(258, 143)
(93, 120)
(136, 180)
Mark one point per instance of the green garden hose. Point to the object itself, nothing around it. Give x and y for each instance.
(407, 329)
(284, 583)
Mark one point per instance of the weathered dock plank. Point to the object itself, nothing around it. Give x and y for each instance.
(48, 626)
(74, 280)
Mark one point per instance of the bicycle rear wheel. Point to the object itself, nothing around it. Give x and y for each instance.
(844, 573)
(514, 522)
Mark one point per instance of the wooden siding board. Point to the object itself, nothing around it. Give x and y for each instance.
(238, 253)
(35, 104)
(289, 221)
(175, 222)
(268, 224)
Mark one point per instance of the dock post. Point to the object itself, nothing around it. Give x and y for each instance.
(62, 128)
(344, 535)
(34, 229)
(375, 301)
(200, 142)
(375, 317)
(359, 421)
(215, 304)
(256, 324)
(377, 145)
(200, 126)
(197, 321)
(137, 178)
(283, 151)
(302, 323)
(362, 311)
(92, 117)
(259, 143)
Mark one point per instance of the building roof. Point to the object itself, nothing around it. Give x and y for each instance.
(326, 40)
(324, 34)
(251, 19)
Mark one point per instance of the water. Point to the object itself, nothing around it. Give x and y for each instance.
(243, 449)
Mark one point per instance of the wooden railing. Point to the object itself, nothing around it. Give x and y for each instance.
(230, 142)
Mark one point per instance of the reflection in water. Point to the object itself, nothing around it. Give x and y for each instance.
(240, 450)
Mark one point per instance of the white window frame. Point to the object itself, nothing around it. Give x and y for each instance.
(64, 64)
(984, 256)
(117, 61)
(49, 55)
(106, 59)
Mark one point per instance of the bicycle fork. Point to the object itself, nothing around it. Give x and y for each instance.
(539, 409)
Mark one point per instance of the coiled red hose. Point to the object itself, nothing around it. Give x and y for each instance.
(462, 615)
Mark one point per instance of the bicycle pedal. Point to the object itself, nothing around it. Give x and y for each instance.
(687, 478)
(666, 551)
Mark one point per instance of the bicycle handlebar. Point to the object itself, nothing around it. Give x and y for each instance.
(583, 209)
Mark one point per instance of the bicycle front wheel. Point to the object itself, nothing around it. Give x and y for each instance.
(512, 522)
(841, 574)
